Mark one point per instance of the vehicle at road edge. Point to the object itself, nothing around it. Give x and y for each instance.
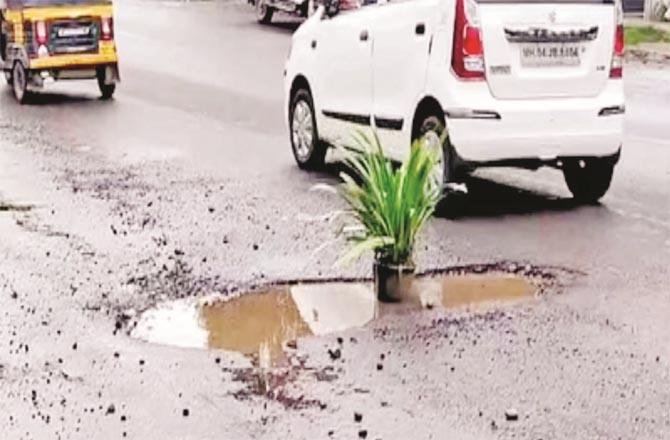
(42, 41)
(265, 9)
(521, 83)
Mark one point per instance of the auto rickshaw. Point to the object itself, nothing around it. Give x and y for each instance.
(43, 41)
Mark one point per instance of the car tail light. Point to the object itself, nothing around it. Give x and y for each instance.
(41, 34)
(107, 29)
(616, 70)
(467, 57)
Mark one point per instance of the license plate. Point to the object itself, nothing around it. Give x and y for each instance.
(551, 54)
(74, 32)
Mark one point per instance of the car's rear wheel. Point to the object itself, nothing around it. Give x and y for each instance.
(20, 82)
(263, 12)
(588, 179)
(431, 130)
(308, 150)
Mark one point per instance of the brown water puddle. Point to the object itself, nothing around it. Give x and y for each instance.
(260, 323)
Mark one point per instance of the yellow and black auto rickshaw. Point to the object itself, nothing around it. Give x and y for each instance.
(42, 41)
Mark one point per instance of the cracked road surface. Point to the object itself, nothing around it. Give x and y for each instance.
(185, 186)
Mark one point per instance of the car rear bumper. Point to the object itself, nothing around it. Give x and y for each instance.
(543, 129)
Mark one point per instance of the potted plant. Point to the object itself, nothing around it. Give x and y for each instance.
(390, 206)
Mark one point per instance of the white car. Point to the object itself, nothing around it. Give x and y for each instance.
(522, 83)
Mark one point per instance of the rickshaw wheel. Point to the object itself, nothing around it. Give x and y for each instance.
(263, 12)
(20, 82)
(107, 90)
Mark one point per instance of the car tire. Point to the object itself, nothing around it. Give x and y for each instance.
(263, 12)
(433, 128)
(3, 46)
(20, 83)
(452, 204)
(588, 179)
(308, 150)
(106, 90)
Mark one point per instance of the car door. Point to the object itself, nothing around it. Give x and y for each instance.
(403, 33)
(344, 76)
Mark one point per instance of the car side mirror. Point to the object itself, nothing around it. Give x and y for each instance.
(332, 7)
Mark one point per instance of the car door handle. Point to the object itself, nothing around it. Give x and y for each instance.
(420, 29)
(364, 35)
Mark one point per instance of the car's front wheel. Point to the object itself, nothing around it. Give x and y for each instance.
(263, 12)
(308, 150)
(588, 179)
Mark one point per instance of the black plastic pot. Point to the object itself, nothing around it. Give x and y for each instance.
(392, 281)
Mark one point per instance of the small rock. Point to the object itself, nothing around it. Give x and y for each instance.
(511, 415)
(362, 433)
(185, 412)
(74, 346)
(358, 417)
(335, 354)
(292, 344)
(340, 340)
(111, 409)
(210, 209)
(255, 247)
(380, 367)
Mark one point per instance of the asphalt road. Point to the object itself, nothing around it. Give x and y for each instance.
(184, 185)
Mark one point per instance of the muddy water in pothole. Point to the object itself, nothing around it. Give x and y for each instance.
(260, 323)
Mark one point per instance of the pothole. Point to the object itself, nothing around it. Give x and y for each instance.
(260, 324)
